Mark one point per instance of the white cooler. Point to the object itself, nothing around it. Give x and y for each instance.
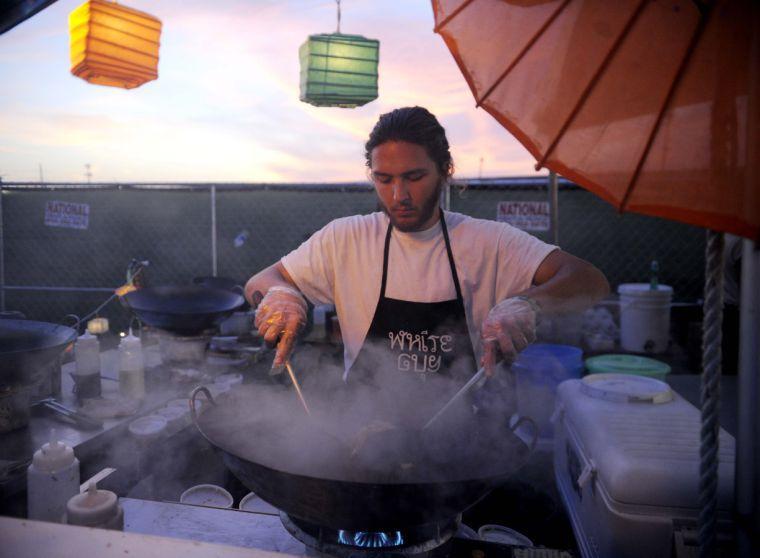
(626, 460)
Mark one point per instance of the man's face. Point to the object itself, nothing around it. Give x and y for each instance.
(408, 184)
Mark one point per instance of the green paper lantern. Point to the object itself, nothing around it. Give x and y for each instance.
(339, 70)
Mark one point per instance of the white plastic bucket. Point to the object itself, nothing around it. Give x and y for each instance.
(644, 317)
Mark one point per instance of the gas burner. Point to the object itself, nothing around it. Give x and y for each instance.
(410, 542)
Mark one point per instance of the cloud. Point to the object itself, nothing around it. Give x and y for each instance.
(226, 106)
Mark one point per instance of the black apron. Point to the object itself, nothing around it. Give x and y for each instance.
(413, 342)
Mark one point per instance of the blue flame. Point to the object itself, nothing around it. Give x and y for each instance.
(368, 539)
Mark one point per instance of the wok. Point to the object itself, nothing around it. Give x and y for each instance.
(187, 309)
(342, 494)
(225, 283)
(28, 347)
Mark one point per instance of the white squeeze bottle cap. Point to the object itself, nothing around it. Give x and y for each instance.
(53, 456)
(130, 339)
(92, 507)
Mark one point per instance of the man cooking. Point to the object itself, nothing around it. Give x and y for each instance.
(420, 292)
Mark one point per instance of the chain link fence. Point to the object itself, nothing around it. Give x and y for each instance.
(64, 248)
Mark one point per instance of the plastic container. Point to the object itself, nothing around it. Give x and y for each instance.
(87, 354)
(176, 418)
(626, 388)
(182, 402)
(87, 372)
(467, 532)
(209, 495)
(503, 535)
(149, 428)
(52, 479)
(539, 369)
(252, 503)
(95, 508)
(627, 468)
(644, 317)
(131, 367)
(627, 364)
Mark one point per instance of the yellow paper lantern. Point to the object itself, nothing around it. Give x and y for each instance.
(113, 45)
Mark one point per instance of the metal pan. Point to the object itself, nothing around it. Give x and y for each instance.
(27, 348)
(339, 498)
(224, 283)
(185, 309)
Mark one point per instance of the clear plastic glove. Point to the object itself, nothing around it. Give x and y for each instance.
(280, 316)
(508, 329)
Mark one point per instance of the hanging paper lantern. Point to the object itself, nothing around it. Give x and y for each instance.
(113, 45)
(339, 70)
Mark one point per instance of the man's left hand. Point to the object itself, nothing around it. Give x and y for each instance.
(508, 329)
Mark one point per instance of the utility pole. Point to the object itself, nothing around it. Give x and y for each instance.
(87, 173)
(554, 207)
(42, 177)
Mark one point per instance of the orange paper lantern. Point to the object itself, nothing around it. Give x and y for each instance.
(113, 45)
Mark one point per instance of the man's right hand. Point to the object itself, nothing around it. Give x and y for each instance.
(280, 316)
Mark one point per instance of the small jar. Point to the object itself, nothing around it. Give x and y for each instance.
(95, 508)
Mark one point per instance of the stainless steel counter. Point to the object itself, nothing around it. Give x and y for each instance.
(111, 445)
(34, 539)
(20, 445)
(263, 531)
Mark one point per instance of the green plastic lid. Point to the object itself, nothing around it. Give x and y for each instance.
(627, 364)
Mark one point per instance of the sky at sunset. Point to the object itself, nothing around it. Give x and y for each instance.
(225, 106)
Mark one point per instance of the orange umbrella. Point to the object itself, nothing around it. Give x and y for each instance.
(651, 105)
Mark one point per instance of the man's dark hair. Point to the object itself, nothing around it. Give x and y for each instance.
(414, 125)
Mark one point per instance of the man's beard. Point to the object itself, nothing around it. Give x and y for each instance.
(426, 211)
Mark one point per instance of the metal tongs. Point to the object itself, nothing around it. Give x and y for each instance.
(79, 419)
(476, 382)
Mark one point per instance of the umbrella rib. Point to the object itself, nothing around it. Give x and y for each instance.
(594, 79)
(452, 15)
(666, 104)
(523, 52)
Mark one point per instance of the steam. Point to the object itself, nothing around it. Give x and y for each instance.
(266, 424)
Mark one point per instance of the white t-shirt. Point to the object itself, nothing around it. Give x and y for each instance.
(342, 264)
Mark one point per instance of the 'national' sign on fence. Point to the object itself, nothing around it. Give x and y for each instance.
(67, 214)
(525, 215)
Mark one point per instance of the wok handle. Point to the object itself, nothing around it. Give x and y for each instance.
(516, 422)
(72, 317)
(191, 401)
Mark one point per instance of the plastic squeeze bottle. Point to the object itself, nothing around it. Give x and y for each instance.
(51, 479)
(87, 374)
(131, 367)
(95, 508)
